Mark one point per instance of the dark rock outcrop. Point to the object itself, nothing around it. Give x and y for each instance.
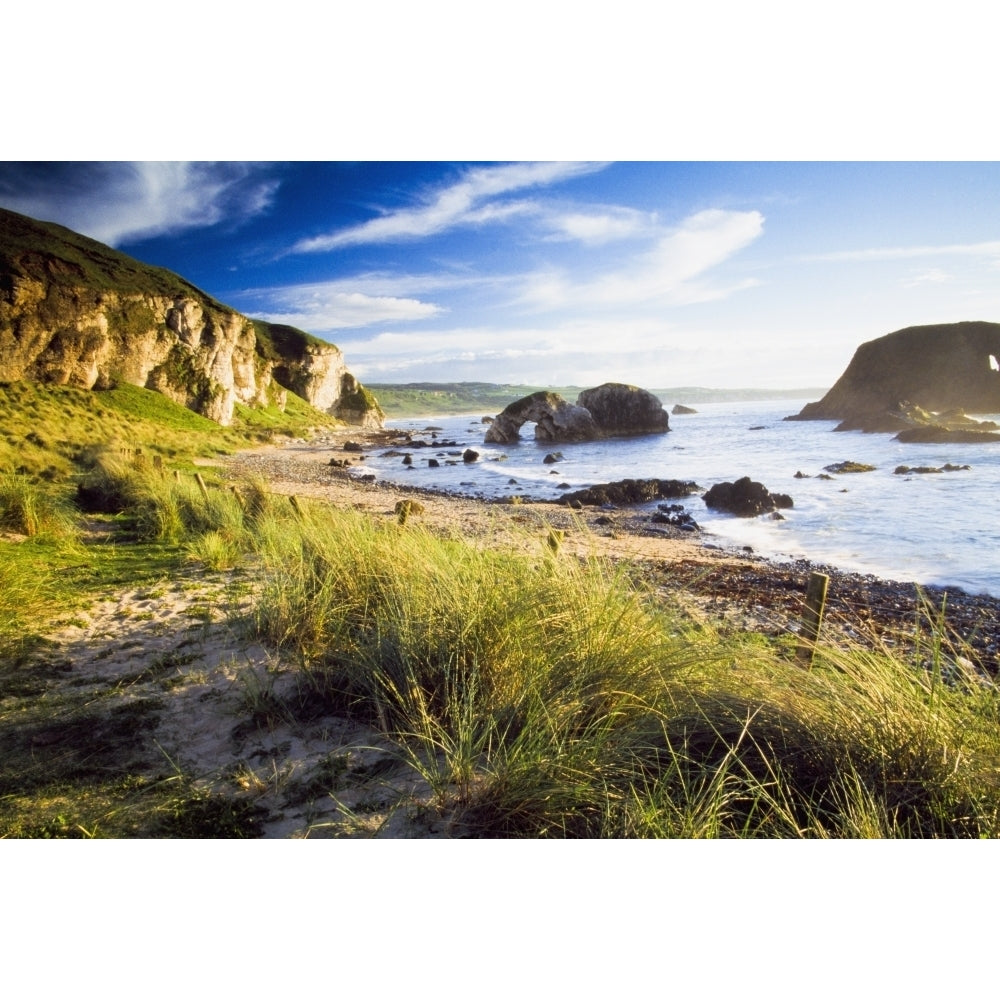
(680, 409)
(631, 491)
(935, 368)
(745, 498)
(620, 409)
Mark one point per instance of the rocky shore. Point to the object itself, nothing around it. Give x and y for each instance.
(725, 587)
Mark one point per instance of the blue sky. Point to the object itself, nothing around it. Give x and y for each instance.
(720, 273)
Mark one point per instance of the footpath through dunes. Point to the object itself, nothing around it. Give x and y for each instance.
(724, 587)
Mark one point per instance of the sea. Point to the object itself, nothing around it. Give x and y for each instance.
(929, 528)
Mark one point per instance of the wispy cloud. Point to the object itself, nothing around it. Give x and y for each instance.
(933, 276)
(125, 202)
(323, 309)
(595, 226)
(987, 249)
(468, 201)
(673, 272)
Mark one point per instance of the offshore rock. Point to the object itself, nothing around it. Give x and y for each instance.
(609, 410)
(745, 498)
(952, 366)
(630, 491)
(620, 409)
(555, 419)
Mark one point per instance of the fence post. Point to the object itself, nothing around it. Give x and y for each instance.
(201, 485)
(812, 617)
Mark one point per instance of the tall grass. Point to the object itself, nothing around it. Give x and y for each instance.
(28, 508)
(159, 507)
(542, 696)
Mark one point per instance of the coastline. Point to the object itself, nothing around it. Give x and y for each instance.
(722, 586)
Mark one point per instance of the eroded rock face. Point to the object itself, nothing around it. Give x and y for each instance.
(953, 366)
(555, 419)
(624, 409)
(75, 312)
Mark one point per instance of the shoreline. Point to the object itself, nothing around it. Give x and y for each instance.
(725, 586)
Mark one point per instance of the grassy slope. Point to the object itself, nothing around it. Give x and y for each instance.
(53, 431)
(50, 252)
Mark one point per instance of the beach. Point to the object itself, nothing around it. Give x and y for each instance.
(727, 586)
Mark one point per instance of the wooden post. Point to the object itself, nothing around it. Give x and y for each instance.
(201, 485)
(812, 617)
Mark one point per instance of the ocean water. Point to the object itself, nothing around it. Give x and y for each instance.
(929, 528)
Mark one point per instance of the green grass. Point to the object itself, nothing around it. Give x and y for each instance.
(544, 697)
(54, 432)
(536, 695)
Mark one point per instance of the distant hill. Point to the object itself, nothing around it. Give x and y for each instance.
(78, 313)
(418, 399)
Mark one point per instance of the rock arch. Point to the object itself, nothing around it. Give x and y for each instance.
(554, 417)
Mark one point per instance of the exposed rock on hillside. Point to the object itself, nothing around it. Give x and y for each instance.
(76, 312)
(609, 410)
(953, 366)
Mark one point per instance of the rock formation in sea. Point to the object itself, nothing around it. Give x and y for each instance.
(76, 312)
(745, 498)
(620, 409)
(609, 410)
(913, 377)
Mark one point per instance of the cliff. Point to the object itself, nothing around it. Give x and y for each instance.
(76, 312)
(952, 366)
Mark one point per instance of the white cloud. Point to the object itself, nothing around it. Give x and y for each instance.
(933, 276)
(121, 202)
(667, 273)
(325, 309)
(986, 249)
(466, 202)
(601, 226)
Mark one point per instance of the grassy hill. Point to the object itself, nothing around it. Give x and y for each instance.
(53, 432)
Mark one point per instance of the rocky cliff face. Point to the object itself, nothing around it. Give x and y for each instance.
(952, 366)
(75, 312)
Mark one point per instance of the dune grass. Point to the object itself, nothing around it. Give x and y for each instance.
(537, 695)
(542, 696)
